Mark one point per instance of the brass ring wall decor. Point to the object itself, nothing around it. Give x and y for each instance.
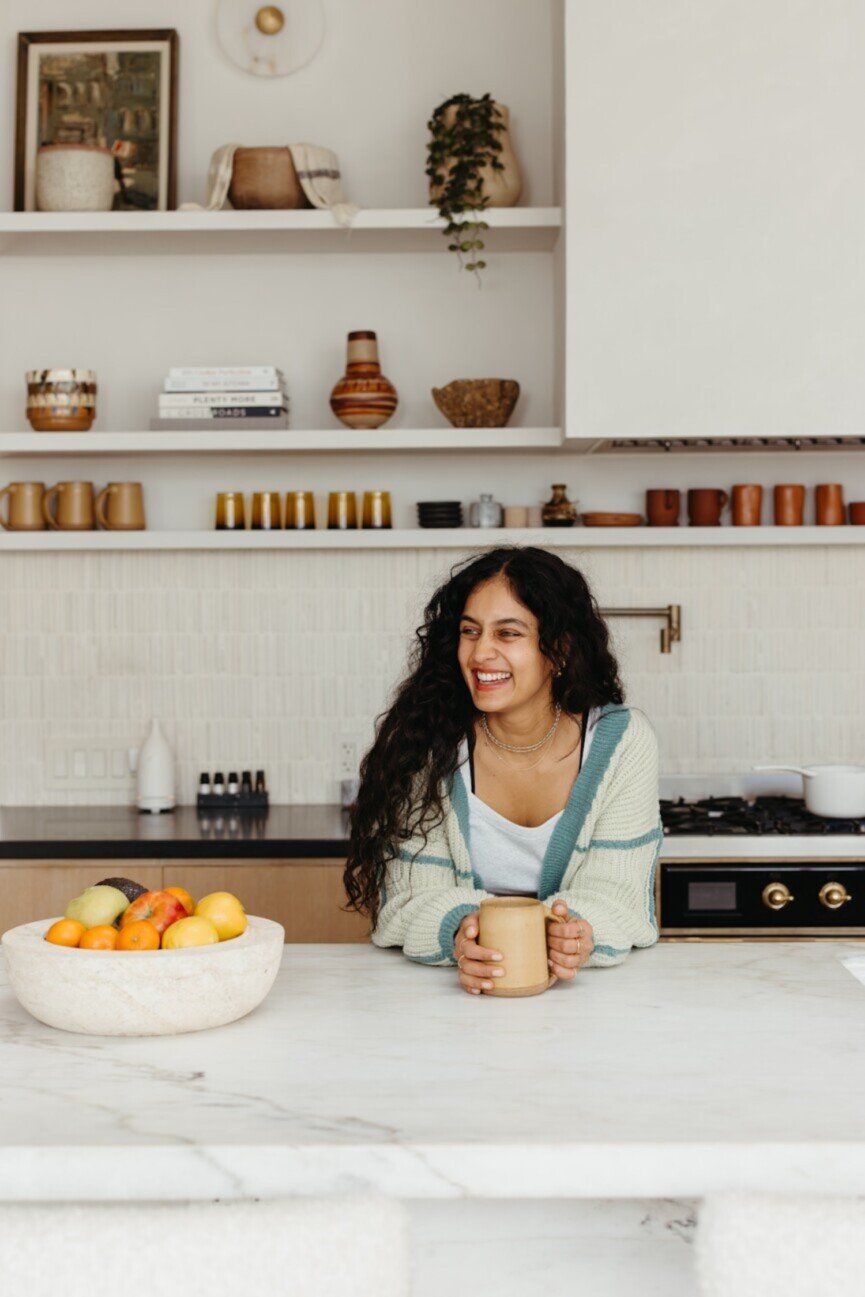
(270, 40)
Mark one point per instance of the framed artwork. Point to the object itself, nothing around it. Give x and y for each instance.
(117, 89)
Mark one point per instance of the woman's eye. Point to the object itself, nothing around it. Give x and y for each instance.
(467, 630)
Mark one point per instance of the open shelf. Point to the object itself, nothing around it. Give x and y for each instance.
(399, 229)
(279, 442)
(417, 538)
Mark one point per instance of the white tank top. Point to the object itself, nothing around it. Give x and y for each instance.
(507, 857)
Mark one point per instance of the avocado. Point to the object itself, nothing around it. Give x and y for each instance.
(129, 889)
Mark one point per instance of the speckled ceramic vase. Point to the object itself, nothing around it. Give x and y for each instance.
(363, 397)
(501, 188)
(74, 178)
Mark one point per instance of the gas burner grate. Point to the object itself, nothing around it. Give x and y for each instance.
(736, 817)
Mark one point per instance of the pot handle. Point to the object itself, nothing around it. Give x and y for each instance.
(793, 770)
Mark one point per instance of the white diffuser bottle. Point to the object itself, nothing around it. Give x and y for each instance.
(155, 771)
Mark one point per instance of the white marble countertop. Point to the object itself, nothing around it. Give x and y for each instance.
(689, 1068)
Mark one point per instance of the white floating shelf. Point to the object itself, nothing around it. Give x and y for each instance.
(398, 228)
(463, 538)
(291, 442)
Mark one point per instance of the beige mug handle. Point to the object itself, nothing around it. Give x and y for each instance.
(46, 508)
(4, 522)
(556, 918)
(100, 507)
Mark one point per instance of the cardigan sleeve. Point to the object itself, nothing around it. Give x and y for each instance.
(613, 887)
(424, 900)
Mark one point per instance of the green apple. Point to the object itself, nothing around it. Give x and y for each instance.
(97, 905)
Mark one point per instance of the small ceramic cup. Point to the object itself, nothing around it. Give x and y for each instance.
(517, 926)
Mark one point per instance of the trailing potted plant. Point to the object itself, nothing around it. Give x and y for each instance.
(471, 166)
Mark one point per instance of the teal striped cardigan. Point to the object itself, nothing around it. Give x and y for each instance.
(601, 858)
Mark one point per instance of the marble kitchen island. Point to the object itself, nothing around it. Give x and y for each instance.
(575, 1131)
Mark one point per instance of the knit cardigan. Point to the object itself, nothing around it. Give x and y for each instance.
(600, 860)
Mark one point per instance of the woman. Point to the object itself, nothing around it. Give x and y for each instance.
(507, 764)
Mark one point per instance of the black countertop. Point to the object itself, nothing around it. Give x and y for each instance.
(123, 833)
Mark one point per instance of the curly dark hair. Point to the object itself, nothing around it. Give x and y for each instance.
(417, 740)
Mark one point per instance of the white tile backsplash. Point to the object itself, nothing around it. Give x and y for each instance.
(264, 660)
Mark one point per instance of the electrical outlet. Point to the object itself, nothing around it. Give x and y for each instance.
(348, 756)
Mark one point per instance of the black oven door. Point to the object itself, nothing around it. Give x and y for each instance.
(759, 898)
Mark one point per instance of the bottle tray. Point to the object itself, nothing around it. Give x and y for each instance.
(238, 802)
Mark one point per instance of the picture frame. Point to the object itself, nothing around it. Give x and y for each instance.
(114, 88)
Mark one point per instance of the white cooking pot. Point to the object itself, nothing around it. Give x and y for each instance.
(837, 792)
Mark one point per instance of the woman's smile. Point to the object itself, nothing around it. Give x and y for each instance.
(486, 681)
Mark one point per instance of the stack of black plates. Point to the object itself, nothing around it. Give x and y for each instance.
(440, 513)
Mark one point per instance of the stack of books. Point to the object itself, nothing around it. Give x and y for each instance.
(199, 398)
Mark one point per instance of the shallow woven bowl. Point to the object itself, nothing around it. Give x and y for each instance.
(478, 402)
(142, 992)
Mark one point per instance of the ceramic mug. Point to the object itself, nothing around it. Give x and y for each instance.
(705, 505)
(25, 506)
(120, 507)
(829, 504)
(74, 510)
(747, 505)
(789, 505)
(662, 507)
(856, 511)
(517, 926)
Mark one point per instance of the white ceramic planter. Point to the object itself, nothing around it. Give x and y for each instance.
(74, 178)
(146, 992)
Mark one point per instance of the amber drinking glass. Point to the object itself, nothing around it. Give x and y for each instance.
(376, 509)
(230, 512)
(341, 510)
(299, 510)
(266, 511)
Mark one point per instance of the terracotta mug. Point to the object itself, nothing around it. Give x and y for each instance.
(705, 505)
(829, 504)
(120, 507)
(856, 513)
(517, 926)
(662, 507)
(789, 505)
(747, 505)
(24, 512)
(74, 511)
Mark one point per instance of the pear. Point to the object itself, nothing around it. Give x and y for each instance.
(97, 905)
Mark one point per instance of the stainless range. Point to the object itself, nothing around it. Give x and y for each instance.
(742, 858)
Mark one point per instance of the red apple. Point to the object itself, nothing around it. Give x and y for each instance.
(160, 908)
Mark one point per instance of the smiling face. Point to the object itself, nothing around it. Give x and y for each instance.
(499, 651)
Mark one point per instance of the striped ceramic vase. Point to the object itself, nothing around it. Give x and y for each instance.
(363, 397)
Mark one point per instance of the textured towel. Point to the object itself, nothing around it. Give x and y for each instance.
(317, 170)
(297, 1247)
(774, 1245)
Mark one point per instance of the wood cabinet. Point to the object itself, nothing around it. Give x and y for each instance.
(305, 896)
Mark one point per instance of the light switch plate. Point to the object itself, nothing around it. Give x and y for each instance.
(74, 764)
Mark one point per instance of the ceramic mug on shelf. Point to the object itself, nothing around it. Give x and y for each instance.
(74, 509)
(856, 512)
(705, 506)
(517, 926)
(747, 505)
(789, 504)
(24, 511)
(829, 504)
(662, 507)
(120, 507)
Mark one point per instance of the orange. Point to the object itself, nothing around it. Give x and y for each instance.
(102, 937)
(65, 932)
(141, 935)
(183, 896)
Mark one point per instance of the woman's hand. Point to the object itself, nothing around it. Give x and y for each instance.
(477, 965)
(568, 944)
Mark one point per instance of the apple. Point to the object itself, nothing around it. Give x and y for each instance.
(194, 930)
(160, 908)
(97, 906)
(225, 912)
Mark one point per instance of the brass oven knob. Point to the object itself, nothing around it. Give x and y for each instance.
(776, 896)
(834, 895)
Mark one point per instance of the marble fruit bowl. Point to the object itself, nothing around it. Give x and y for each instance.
(142, 992)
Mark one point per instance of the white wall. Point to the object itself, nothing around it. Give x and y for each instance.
(717, 200)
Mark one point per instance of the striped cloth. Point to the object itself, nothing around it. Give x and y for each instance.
(601, 857)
